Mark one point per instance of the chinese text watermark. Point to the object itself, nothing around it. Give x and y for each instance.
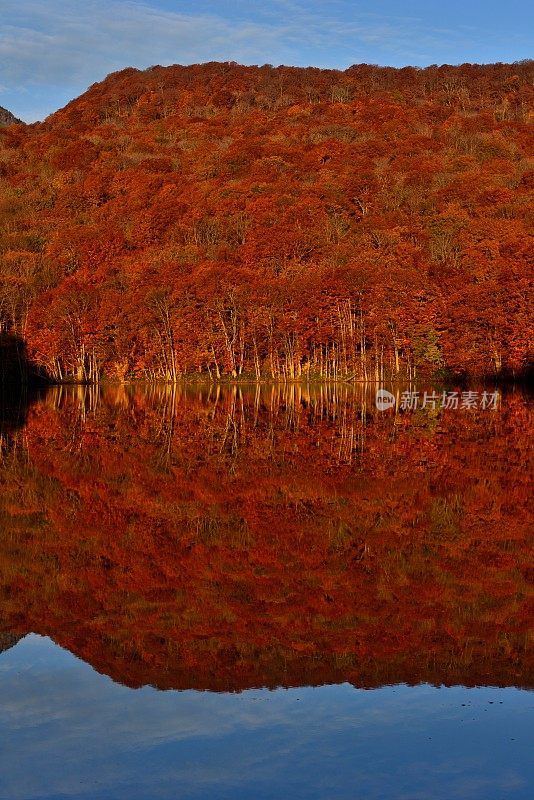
(445, 400)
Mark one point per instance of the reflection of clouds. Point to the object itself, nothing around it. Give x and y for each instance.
(67, 729)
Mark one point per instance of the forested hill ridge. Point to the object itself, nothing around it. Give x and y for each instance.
(275, 222)
(7, 118)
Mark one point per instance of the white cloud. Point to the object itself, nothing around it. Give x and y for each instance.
(68, 43)
(77, 43)
(54, 50)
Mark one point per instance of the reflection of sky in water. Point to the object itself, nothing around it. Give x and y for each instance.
(69, 732)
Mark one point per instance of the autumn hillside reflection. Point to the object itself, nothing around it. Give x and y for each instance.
(229, 538)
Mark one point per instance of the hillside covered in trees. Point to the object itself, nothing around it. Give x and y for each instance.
(274, 222)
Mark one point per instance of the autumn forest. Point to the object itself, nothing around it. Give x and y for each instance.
(273, 223)
(266, 380)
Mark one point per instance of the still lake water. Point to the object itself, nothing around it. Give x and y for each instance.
(265, 593)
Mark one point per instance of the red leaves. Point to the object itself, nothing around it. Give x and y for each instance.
(235, 536)
(300, 190)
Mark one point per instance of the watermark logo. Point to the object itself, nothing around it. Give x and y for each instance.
(384, 400)
(412, 401)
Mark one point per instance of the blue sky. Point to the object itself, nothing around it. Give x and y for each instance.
(52, 51)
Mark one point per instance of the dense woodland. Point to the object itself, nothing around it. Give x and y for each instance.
(275, 223)
(221, 539)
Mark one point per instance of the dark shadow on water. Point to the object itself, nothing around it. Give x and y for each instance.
(21, 382)
(16, 368)
(14, 404)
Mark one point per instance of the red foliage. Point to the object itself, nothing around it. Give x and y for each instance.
(218, 217)
(277, 537)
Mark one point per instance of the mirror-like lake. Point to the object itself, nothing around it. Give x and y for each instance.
(266, 592)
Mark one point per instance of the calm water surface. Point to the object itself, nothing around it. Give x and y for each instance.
(265, 593)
